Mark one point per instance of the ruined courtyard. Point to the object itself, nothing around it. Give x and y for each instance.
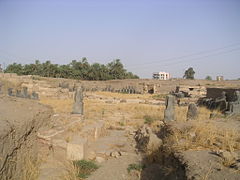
(130, 129)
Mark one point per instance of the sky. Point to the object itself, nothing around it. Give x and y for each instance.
(146, 35)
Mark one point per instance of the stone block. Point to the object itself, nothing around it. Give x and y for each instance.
(192, 112)
(75, 151)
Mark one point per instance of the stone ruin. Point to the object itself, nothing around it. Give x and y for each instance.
(225, 100)
(23, 93)
(189, 91)
(147, 140)
(169, 113)
(78, 101)
(192, 112)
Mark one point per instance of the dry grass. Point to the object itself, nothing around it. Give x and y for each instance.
(131, 114)
(124, 96)
(58, 105)
(203, 135)
(71, 171)
(30, 169)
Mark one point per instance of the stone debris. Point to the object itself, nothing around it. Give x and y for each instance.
(115, 154)
(100, 159)
(147, 140)
(228, 156)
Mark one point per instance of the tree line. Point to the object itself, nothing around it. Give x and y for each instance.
(74, 70)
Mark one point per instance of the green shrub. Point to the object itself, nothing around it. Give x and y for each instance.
(137, 167)
(85, 168)
(159, 96)
(148, 119)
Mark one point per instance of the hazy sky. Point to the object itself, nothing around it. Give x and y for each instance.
(147, 35)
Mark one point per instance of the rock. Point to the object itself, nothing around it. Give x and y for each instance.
(228, 156)
(236, 165)
(123, 101)
(100, 159)
(147, 140)
(109, 101)
(108, 153)
(169, 113)
(90, 155)
(192, 112)
(115, 154)
(122, 153)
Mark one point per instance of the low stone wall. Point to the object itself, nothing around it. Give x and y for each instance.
(20, 120)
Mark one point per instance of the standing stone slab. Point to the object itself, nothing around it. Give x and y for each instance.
(234, 107)
(34, 95)
(75, 151)
(192, 112)
(18, 93)
(25, 92)
(169, 113)
(10, 92)
(78, 101)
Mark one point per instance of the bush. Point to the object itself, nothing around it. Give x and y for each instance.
(148, 119)
(85, 168)
(137, 167)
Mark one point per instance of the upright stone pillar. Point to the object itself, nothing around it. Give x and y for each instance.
(192, 112)
(25, 92)
(169, 113)
(10, 92)
(78, 101)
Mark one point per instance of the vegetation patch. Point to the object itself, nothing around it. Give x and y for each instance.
(137, 167)
(149, 119)
(85, 168)
(159, 96)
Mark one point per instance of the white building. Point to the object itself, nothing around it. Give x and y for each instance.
(161, 75)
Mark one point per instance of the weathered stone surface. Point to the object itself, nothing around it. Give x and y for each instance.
(192, 112)
(10, 92)
(34, 95)
(115, 154)
(169, 113)
(25, 92)
(234, 107)
(75, 151)
(147, 140)
(100, 159)
(18, 93)
(90, 155)
(78, 101)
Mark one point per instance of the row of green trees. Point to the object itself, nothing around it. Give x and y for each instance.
(74, 70)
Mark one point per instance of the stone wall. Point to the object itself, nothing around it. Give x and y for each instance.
(216, 92)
